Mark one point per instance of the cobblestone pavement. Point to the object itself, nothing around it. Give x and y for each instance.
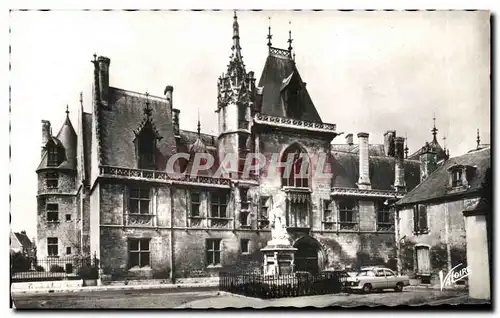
(386, 298)
(114, 299)
(203, 298)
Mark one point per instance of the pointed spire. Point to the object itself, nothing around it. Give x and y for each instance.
(269, 35)
(478, 140)
(67, 110)
(236, 38)
(406, 146)
(444, 143)
(434, 129)
(290, 40)
(199, 125)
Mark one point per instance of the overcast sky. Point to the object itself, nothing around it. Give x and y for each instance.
(365, 71)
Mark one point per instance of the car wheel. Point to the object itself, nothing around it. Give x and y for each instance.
(399, 287)
(367, 288)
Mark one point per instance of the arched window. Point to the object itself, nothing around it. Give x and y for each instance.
(297, 162)
(146, 147)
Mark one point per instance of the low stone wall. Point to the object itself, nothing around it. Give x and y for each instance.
(47, 284)
(197, 280)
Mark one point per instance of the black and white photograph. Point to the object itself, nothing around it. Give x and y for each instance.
(237, 158)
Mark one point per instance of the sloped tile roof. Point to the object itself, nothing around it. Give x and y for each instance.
(276, 70)
(122, 117)
(433, 144)
(373, 150)
(67, 140)
(436, 185)
(345, 169)
(24, 240)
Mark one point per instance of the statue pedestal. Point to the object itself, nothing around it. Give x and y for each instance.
(279, 258)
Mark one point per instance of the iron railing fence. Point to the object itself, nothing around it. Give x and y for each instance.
(290, 285)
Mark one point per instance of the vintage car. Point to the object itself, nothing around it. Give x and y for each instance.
(376, 278)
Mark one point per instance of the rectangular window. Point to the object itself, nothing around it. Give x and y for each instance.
(52, 246)
(347, 217)
(244, 218)
(195, 204)
(213, 252)
(52, 156)
(298, 213)
(219, 205)
(68, 217)
(385, 219)
(456, 180)
(52, 180)
(420, 219)
(264, 207)
(68, 250)
(52, 212)
(244, 243)
(139, 202)
(328, 219)
(138, 252)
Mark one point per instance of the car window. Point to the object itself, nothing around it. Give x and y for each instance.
(366, 273)
(389, 272)
(380, 273)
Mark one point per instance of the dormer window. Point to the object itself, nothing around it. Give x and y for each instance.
(456, 178)
(146, 149)
(459, 177)
(52, 156)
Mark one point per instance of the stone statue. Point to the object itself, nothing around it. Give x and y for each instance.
(278, 219)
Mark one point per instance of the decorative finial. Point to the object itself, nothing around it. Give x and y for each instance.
(444, 142)
(269, 36)
(199, 125)
(81, 99)
(67, 109)
(95, 56)
(434, 129)
(406, 147)
(290, 37)
(147, 110)
(478, 138)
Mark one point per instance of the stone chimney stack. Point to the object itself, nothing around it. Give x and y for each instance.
(348, 139)
(399, 178)
(169, 90)
(364, 162)
(46, 133)
(428, 161)
(103, 74)
(389, 143)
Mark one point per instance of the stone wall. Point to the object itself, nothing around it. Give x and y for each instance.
(442, 231)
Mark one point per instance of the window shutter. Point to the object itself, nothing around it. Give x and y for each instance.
(415, 219)
(423, 217)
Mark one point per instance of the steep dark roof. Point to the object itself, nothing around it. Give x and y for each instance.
(66, 140)
(373, 150)
(123, 116)
(345, 169)
(436, 185)
(188, 137)
(24, 240)
(277, 70)
(433, 144)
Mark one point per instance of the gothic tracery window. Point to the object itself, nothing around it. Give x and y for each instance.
(295, 173)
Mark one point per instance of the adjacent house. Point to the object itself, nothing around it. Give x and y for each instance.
(20, 243)
(430, 217)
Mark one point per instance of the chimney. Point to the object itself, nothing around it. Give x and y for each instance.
(45, 133)
(364, 162)
(23, 232)
(428, 161)
(175, 121)
(389, 145)
(399, 178)
(348, 139)
(103, 76)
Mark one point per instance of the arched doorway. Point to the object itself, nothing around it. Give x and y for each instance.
(308, 255)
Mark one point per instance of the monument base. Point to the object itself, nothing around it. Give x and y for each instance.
(279, 258)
